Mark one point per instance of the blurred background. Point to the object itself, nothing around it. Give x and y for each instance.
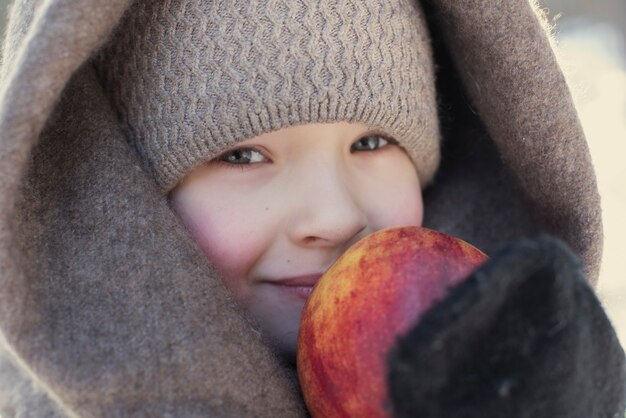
(590, 43)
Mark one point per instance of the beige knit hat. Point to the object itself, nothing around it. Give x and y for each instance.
(194, 77)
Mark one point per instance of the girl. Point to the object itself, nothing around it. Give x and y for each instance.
(176, 174)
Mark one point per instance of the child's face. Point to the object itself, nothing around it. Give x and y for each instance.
(274, 212)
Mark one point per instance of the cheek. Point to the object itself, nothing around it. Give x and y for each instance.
(397, 197)
(223, 240)
(400, 205)
(229, 237)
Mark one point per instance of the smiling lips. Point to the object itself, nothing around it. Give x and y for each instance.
(297, 286)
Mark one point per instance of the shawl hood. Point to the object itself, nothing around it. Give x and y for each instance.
(109, 308)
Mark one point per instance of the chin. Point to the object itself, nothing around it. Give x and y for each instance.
(279, 323)
(289, 357)
(287, 347)
(285, 344)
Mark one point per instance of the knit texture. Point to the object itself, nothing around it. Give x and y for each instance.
(192, 78)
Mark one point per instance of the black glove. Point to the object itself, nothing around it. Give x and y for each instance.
(524, 336)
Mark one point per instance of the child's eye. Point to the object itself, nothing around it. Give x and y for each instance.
(242, 156)
(369, 143)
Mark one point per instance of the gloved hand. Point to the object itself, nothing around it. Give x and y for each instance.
(525, 336)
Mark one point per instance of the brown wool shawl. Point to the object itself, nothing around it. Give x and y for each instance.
(107, 306)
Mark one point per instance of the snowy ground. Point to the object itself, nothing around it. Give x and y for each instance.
(593, 56)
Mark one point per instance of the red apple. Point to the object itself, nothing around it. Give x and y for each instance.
(372, 294)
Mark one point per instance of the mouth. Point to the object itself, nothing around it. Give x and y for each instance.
(298, 287)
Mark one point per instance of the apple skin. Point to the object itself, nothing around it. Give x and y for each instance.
(372, 294)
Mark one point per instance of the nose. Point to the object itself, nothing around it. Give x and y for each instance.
(327, 209)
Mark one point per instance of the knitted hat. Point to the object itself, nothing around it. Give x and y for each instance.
(194, 77)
